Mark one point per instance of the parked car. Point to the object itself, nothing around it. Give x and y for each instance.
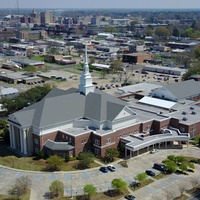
(154, 151)
(150, 173)
(130, 197)
(103, 169)
(135, 184)
(111, 168)
(160, 167)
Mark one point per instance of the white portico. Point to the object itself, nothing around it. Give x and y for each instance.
(19, 139)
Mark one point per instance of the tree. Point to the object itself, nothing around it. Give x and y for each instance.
(110, 29)
(140, 177)
(30, 69)
(192, 71)
(119, 184)
(3, 123)
(176, 32)
(183, 167)
(56, 188)
(182, 188)
(197, 52)
(85, 159)
(169, 194)
(27, 98)
(170, 165)
(23, 182)
(117, 68)
(180, 159)
(194, 181)
(111, 153)
(6, 136)
(55, 162)
(20, 186)
(52, 50)
(162, 32)
(90, 190)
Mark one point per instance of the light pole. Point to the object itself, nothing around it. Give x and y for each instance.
(71, 192)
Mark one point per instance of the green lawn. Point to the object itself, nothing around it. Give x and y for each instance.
(9, 159)
(28, 163)
(39, 58)
(159, 176)
(99, 196)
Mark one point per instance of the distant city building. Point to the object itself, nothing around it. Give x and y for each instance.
(46, 17)
(36, 34)
(8, 92)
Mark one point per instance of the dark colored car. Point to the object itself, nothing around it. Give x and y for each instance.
(135, 184)
(160, 167)
(103, 169)
(129, 197)
(150, 173)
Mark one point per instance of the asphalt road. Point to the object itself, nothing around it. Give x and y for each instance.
(75, 181)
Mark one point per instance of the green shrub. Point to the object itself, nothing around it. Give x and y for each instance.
(124, 163)
(72, 158)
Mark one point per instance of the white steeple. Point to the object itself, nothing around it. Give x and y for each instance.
(86, 85)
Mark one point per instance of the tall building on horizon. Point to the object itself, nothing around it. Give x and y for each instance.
(46, 17)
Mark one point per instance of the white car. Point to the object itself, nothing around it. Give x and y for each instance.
(111, 168)
(154, 151)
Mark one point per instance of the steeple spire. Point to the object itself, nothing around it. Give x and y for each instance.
(86, 85)
(85, 67)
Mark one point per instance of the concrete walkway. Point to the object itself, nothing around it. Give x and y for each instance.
(75, 181)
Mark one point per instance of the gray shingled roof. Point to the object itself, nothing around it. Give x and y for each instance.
(58, 145)
(101, 106)
(60, 106)
(184, 89)
(59, 109)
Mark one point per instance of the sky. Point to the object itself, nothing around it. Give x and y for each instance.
(135, 4)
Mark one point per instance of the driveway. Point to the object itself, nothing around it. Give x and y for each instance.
(75, 181)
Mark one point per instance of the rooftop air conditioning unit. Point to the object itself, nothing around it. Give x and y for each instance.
(193, 113)
(184, 119)
(184, 113)
(191, 108)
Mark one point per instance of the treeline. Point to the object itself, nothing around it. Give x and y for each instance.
(25, 99)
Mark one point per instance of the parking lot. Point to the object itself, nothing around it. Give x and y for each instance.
(75, 181)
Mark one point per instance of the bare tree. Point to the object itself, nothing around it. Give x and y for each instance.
(157, 197)
(23, 182)
(169, 194)
(194, 181)
(182, 188)
(20, 186)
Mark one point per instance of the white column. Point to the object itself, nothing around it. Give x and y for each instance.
(25, 141)
(11, 136)
(21, 141)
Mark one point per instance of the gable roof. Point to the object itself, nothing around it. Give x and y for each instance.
(184, 89)
(58, 145)
(60, 106)
(101, 106)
